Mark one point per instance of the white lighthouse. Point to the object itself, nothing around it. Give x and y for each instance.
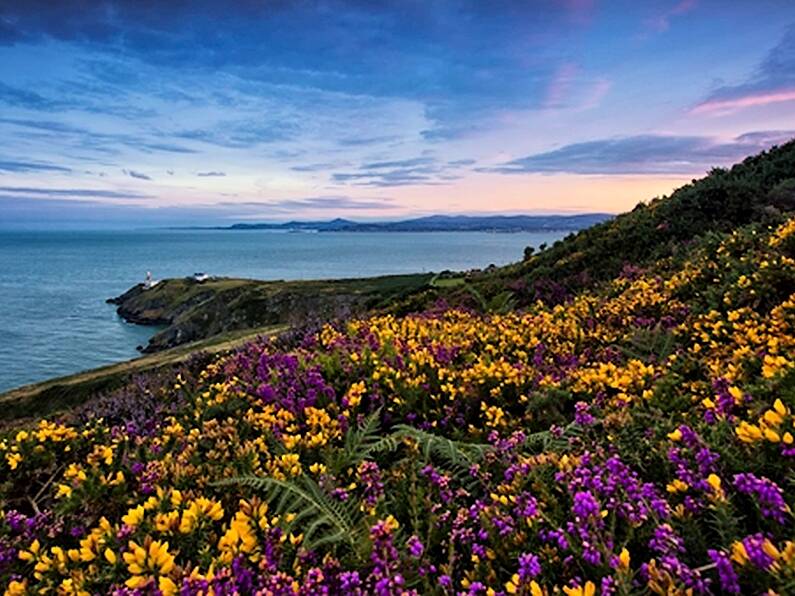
(149, 282)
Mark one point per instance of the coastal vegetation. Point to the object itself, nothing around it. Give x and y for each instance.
(614, 415)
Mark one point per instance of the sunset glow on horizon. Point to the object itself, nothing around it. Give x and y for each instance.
(160, 113)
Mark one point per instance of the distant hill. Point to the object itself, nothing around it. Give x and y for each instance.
(441, 223)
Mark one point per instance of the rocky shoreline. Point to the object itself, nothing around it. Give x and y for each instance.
(189, 310)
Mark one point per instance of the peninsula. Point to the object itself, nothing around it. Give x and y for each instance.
(440, 223)
(187, 310)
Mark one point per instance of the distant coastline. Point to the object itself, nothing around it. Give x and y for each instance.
(433, 223)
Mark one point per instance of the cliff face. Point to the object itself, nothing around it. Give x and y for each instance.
(190, 310)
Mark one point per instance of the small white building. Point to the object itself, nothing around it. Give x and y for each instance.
(149, 282)
(201, 276)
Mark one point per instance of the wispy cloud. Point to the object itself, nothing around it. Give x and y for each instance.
(773, 82)
(89, 139)
(403, 172)
(450, 132)
(560, 84)
(315, 167)
(369, 140)
(30, 166)
(161, 147)
(644, 154)
(15, 96)
(72, 192)
(573, 89)
(44, 125)
(241, 134)
(212, 174)
(661, 21)
(402, 163)
(331, 203)
(748, 100)
(135, 174)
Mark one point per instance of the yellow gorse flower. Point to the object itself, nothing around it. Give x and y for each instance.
(134, 516)
(198, 510)
(589, 589)
(147, 560)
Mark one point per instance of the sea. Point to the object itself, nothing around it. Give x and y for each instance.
(53, 284)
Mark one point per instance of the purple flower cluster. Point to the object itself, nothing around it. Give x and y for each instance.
(370, 477)
(618, 487)
(585, 505)
(727, 577)
(529, 566)
(767, 493)
(693, 463)
(415, 547)
(582, 414)
(725, 405)
(671, 548)
(281, 377)
(755, 548)
(385, 578)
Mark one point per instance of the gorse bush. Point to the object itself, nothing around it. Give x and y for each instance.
(637, 437)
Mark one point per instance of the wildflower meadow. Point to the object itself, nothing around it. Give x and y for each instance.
(636, 438)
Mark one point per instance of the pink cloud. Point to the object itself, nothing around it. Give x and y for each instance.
(567, 89)
(595, 95)
(725, 106)
(662, 22)
(560, 85)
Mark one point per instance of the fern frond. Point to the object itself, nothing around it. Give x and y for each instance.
(323, 520)
(545, 440)
(358, 443)
(454, 452)
(365, 435)
(502, 303)
(484, 306)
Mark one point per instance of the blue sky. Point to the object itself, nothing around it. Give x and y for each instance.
(169, 112)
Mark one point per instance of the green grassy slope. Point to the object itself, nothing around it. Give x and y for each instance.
(59, 394)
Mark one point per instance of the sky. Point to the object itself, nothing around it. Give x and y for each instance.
(149, 112)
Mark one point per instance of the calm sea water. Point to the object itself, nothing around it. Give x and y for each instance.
(53, 285)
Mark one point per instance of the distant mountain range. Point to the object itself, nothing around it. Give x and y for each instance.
(440, 223)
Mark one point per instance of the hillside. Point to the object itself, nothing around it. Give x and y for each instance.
(755, 190)
(631, 433)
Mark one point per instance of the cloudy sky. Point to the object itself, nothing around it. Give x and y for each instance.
(150, 111)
